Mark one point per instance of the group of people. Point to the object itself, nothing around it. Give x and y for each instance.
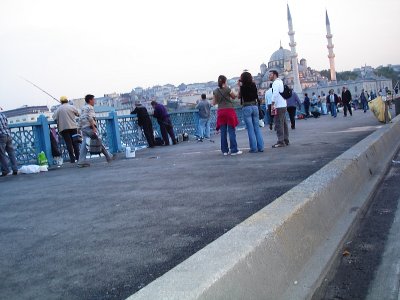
(163, 120)
(69, 128)
(227, 119)
(317, 106)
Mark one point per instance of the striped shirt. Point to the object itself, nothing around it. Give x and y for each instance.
(4, 129)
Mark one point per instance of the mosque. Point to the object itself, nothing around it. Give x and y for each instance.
(303, 79)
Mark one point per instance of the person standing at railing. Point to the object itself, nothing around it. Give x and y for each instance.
(226, 116)
(204, 108)
(88, 125)
(65, 116)
(144, 122)
(6, 146)
(248, 95)
(166, 127)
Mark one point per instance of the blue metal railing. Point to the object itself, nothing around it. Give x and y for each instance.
(117, 132)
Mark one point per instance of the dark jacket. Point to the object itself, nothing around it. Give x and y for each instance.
(363, 98)
(306, 101)
(249, 94)
(160, 113)
(328, 98)
(293, 101)
(142, 115)
(346, 96)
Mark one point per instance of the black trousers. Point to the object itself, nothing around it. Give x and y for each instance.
(147, 128)
(270, 117)
(347, 106)
(307, 110)
(166, 129)
(292, 114)
(72, 146)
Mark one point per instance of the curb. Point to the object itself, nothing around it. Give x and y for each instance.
(283, 250)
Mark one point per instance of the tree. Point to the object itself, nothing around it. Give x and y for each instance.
(388, 72)
(346, 75)
(326, 73)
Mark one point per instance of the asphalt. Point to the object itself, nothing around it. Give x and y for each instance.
(106, 231)
(368, 265)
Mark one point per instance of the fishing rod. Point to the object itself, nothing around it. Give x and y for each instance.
(39, 88)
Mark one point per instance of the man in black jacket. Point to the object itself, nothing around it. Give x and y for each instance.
(346, 99)
(332, 99)
(144, 122)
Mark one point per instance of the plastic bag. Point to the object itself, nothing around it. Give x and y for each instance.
(377, 106)
(42, 160)
(30, 169)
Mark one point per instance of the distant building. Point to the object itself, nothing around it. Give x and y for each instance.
(306, 80)
(27, 114)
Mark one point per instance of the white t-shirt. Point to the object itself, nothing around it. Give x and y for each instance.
(268, 97)
(277, 88)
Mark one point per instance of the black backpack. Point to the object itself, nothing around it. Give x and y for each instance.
(287, 92)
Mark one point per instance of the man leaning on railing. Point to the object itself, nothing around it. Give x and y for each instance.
(6, 146)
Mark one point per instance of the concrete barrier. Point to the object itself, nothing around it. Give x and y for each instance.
(283, 250)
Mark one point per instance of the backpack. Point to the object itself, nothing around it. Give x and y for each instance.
(287, 92)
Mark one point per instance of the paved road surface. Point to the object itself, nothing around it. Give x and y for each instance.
(106, 231)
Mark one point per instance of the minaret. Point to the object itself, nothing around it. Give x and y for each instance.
(296, 80)
(330, 48)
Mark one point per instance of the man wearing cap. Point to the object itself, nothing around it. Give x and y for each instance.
(144, 122)
(6, 146)
(65, 116)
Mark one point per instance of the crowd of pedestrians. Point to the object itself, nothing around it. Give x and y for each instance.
(82, 136)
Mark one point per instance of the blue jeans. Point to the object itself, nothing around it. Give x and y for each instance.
(225, 129)
(333, 109)
(364, 105)
(204, 128)
(251, 117)
(7, 146)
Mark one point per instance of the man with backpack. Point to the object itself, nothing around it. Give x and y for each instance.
(279, 108)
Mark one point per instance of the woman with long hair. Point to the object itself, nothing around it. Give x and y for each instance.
(248, 95)
(226, 117)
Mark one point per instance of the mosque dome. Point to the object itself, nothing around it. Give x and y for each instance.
(280, 54)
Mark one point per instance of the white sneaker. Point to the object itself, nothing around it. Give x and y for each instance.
(237, 153)
(225, 153)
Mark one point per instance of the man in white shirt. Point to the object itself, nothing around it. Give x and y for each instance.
(279, 106)
(268, 103)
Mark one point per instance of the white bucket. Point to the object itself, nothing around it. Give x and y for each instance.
(129, 153)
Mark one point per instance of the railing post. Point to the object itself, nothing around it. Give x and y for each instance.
(113, 133)
(42, 137)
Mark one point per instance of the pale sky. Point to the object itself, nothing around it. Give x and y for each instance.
(77, 47)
